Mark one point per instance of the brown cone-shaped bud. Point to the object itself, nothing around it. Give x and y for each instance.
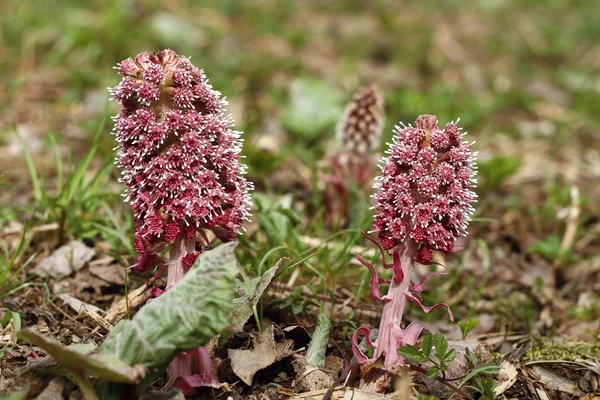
(359, 129)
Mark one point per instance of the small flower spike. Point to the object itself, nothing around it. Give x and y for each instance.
(178, 155)
(423, 203)
(354, 163)
(179, 158)
(359, 129)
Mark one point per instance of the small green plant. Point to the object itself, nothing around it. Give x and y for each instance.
(442, 355)
(467, 326)
(11, 265)
(495, 171)
(80, 204)
(479, 378)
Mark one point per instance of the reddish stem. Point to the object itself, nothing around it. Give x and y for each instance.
(387, 342)
(181, 365)
(179, 249)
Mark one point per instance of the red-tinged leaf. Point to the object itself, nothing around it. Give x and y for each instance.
(381, 250)
(207, 376)
(361, 358)
(398, 275)
(421, 285)
(375, 280)
(417, 299)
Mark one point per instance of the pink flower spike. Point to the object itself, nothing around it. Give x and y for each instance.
(424, 203)
(206, 376)
(180, 160)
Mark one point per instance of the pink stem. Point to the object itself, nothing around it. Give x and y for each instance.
(181, 365)
(179, 249)
(387, 342)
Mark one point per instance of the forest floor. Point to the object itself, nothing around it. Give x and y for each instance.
(523, 76)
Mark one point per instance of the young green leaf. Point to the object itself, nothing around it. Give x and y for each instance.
(433, 372)
(412, 353)
(467, 325)
(315, 355)
(243, 306)
(441, 345)
(427, 345)
(449, 356)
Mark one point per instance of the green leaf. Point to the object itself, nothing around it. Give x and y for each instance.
(183, 318)
(412, 353)
(495, 171)
(14, 396)
(467, 326)
(433, 372)
(315, 355)
(548, 247)
(427, 345)
(78, 360)
(314, 107)
(486, 369)
(487, 386)
(441, 345)
(38, 194)
(15, 317)
(243, 306)
(450, 355)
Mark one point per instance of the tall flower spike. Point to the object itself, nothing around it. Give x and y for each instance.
(180, 161)
(424, 202)
(178, 154)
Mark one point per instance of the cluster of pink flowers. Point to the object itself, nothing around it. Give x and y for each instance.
(178, 154)
(424, 193)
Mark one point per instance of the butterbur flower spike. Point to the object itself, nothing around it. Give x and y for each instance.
(423, 202)
(359, 138)
(359, 129)
(179, 158)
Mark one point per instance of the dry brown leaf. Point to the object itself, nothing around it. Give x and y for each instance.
(65, 260)
(246, 363)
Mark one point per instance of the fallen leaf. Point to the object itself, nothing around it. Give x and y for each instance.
(65, 260)
(54, 390)
(113, 273)
(507, 376)
(246, 363)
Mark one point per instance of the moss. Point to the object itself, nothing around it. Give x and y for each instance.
(558, 349)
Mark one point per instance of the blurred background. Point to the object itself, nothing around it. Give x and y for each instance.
(522, 75)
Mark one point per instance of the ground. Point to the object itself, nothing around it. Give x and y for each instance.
(523, 76)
